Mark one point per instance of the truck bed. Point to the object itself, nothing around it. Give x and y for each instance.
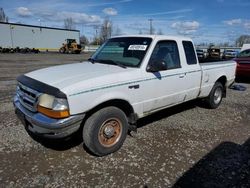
(217, 63)
(211, 71)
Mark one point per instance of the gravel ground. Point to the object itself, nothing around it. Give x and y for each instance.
(184, 146)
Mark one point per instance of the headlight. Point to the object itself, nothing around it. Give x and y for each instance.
(52, 106)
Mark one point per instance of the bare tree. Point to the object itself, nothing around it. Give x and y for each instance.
(224, 44)
(202, 44)
(3, 17)
(118, 31)
(242, 40)
(69, 24)
(96, 41)
(84, 40)
(106, 30)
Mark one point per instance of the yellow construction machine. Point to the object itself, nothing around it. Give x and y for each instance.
(71, 46)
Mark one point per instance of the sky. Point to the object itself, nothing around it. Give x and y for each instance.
(205, 21)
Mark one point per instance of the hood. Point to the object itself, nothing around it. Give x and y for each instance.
(64, 77)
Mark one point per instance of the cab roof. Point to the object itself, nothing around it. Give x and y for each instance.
(158, 37)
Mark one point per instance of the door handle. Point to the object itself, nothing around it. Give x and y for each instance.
(134, 86)
(182, 75)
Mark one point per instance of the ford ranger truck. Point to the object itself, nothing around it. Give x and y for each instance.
(127, 78)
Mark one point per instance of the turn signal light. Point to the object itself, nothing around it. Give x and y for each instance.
(53, 113)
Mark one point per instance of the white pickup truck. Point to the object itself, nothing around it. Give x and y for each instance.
(127, 78)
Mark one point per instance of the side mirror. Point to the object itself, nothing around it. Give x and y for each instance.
(156, 66)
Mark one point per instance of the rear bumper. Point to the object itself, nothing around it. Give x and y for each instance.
(243, 72)
(44, 126)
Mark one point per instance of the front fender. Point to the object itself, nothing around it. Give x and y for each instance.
(84, 102)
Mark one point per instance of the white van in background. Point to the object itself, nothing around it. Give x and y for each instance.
(245, 46)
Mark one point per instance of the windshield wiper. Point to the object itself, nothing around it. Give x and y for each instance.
(92, 60)
(111, 62)
(106, 61)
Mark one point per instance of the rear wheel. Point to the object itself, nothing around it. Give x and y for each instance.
(105, 131)
(215, 97)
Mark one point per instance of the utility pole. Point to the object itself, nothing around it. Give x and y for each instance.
(11, 35)
(96, 34)
(150, 26)
(82, 28)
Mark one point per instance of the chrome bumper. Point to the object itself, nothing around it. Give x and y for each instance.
(44, 126)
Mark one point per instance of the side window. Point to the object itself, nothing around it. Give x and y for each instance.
(166, 51)
(189, 52)
(245, 53)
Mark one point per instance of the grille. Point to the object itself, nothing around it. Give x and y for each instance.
(27, 97)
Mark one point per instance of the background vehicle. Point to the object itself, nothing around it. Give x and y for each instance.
(229, 54)
(128, 78)
(245, 47)
(213, 53)
(70, 46)
(243, 64)
(200, 54)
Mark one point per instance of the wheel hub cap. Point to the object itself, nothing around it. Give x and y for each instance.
(109, 131)
(217, 95)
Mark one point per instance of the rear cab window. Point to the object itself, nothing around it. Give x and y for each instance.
(189, 52)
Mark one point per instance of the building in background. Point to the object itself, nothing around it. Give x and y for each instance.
(14, 35)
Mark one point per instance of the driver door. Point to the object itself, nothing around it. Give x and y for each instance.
(166, 87)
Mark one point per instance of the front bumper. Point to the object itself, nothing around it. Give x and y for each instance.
(44, 126)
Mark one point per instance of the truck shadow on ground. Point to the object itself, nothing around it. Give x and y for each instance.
(165, 113)
(242, 80)
(59, 144)
(228, 165)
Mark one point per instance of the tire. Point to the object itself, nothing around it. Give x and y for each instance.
(62, 50)
(215, 96)
(105, 131)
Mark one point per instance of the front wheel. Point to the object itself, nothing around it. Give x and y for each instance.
(105, 131)
(62, 50)
(215, 97)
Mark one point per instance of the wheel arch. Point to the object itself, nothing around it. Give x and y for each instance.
(122, 104)
(223, 81)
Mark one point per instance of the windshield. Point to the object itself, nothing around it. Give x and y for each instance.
(230, 51)
(199, 51)
(245, 53)
(216, 50)
(124, 51)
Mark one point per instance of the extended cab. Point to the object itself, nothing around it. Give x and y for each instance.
(128, 77)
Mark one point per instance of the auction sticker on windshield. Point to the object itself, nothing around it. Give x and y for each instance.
(138, 47)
